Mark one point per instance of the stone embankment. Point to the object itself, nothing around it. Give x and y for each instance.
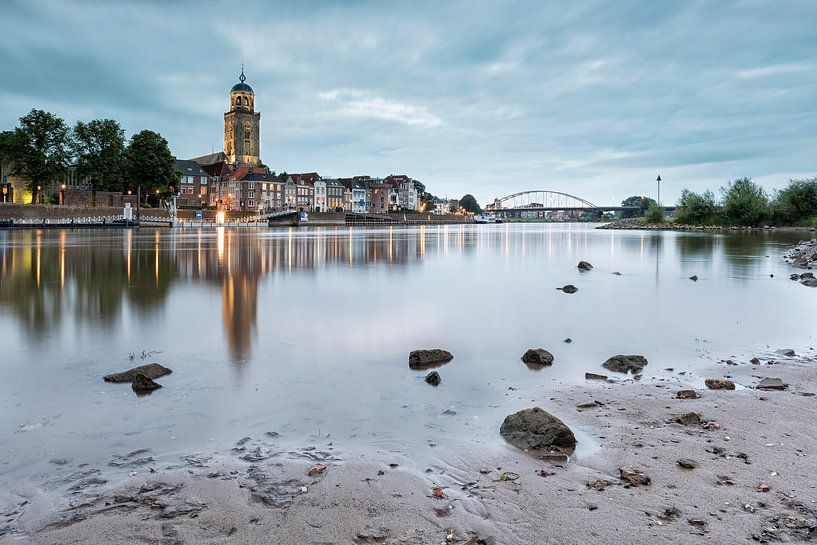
(803, 255)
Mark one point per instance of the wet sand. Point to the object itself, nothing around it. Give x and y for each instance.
(763, 442)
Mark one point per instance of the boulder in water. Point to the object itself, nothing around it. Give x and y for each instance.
(538, 357)
(142, 384)
(425, 359)
(625, 364)
(151, 371)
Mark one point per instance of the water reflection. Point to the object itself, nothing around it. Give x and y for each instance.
(89, 277)
(94, 279)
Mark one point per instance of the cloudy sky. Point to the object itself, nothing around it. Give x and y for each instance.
(587, 97)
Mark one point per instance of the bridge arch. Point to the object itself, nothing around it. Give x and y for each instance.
(541, 199)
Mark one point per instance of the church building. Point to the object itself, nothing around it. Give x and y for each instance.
(242, 126)
(236, 172)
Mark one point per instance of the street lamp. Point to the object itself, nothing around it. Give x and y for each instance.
(658, 180)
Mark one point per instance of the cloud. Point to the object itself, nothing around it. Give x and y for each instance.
(357, 103)
(470, 96)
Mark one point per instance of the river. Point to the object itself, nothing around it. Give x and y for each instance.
(305, 332)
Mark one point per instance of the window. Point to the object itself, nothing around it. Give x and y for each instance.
(237, 101)
(250, 204)
(246, 103)
(251, 195)
(204, 190)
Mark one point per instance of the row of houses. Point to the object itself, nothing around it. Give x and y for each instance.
(211, 181)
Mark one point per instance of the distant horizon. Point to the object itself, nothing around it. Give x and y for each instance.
(593, 100)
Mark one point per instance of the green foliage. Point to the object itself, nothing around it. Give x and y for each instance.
(99, 147)
(52, 199)
(643, 203)
(655, 214)
(149, 163)
(795, 204)
(38, 150)
(470, 204)
(744, 203)
(696, 208)
(420, 187)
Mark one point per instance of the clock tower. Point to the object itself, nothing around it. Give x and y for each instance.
(242, 126)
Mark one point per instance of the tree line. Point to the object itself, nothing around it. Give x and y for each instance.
(741, 202)
(42, 149)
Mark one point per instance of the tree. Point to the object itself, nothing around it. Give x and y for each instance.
(744, 202)
(149, 163)
(642, 203)
(37, 150)
(420, 187)
(796, 202)
(99, 148)
(696, 208)
(470, 204)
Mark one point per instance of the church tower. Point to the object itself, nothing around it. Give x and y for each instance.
(242, 126)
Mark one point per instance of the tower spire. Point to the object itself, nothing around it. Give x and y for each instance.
(242, 77)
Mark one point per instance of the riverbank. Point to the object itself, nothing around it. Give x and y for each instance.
(635, 225)
(752, 479)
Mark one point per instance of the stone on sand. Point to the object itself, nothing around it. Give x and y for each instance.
(537, 429)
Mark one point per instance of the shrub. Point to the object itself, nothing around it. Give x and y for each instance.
(795, 204)
(696, 208)
(655, 214)
(744, 203)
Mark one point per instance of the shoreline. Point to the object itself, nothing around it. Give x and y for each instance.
(635, 226)
(222, 498)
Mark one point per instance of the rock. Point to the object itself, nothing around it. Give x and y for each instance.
(425, 359)
(143, 384)
(538, 357)
(584, 266)
(787, 352)
(624, 364)
(755, 361)
(151, 371)
(694, 277)
(568, 340)
(633, 476)
(725, 479)
(536, 429)
(686, 463)
(589, 405)
(570, 288)
(771, 384)
(806, 275)
(616, 273)
(687, 394)
(594, 376)
(597, 484)
(809, 282)
(689, 419)
(794, 276)
(719, 384)
(433, 378)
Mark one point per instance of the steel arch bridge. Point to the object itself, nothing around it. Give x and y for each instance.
(542, 200)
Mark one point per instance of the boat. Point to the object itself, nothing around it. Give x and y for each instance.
(485, 218)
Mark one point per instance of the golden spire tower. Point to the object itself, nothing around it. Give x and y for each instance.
(242, 125)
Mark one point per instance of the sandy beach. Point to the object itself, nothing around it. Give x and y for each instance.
(753, 453)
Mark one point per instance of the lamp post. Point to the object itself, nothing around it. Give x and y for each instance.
(658, 180)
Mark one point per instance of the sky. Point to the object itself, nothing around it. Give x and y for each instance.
(590, 98)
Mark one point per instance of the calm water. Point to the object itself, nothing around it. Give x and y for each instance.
(306, 332)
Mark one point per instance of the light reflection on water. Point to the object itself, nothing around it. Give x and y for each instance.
(307, 331)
